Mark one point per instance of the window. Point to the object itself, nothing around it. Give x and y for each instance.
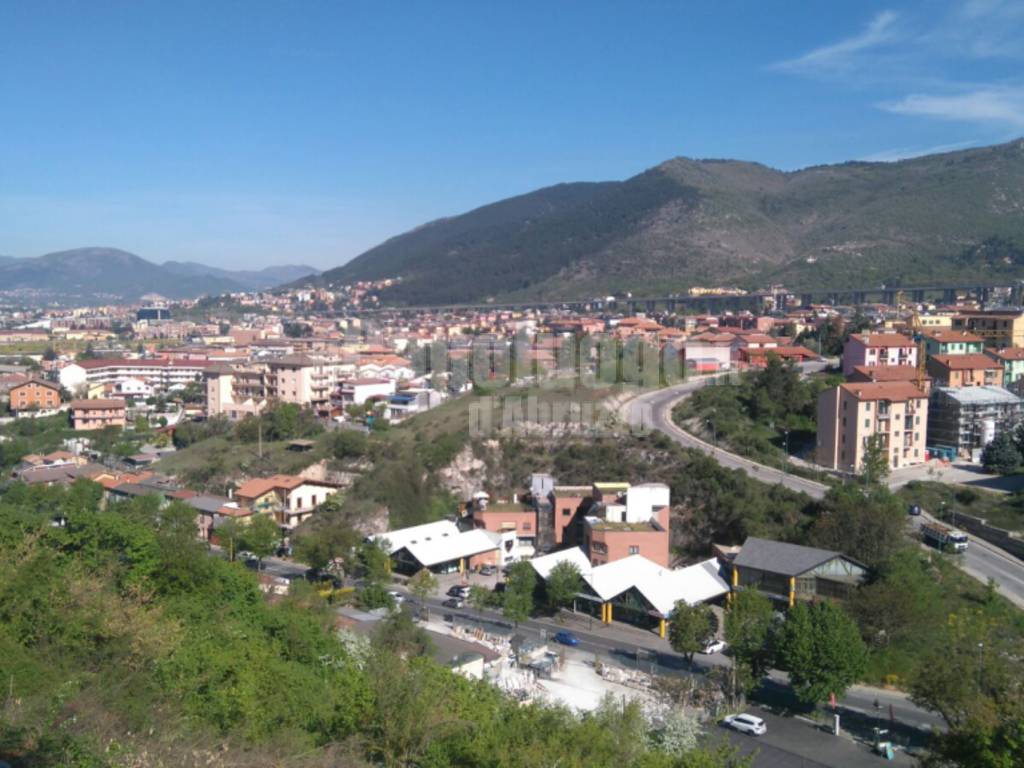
(867, 423)
(313, 502)
(566, 511)
(527, 526)
(634, 550)
(867, 407)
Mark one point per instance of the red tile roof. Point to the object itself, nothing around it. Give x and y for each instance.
(965, 362)
(883, 390)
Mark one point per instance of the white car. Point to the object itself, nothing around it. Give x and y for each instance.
(397, 596)
(747, 724)
(714, 646)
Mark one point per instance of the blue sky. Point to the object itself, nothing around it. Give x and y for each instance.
(251, 133)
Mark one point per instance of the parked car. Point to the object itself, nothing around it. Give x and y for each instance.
(914, 510)
(714, 646)
(246, 555)
(459, 590)
(397, 596)
(488, 570)
(453, 602)
(566, 638)
(745, 723)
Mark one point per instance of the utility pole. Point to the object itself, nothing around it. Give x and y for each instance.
(259, 427)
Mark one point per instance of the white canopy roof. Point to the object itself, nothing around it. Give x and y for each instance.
(441, 542)
(661, 587)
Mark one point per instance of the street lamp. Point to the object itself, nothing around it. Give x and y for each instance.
(981, 662)
(786, 466)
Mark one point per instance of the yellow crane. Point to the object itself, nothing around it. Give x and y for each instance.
(917, 333)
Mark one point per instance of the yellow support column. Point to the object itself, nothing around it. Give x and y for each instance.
(792, 591)
(661, 628)
(609, 613)
(462, 565)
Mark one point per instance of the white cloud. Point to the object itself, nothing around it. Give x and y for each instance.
(1003, 105)
(842, 55)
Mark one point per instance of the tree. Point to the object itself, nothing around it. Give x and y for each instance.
(1001, 455)
(749, 623)
(423, 584)
(563, 584)
(691, 627)
(374, 561)
(875, 464)
(821, 647)
(517, 600)
(261, 536)
(326, 540)
(348, 444)
(865, 523)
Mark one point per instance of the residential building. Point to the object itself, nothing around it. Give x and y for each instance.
(305, 380)
(235, 391)
(97, 414)
(289, 499)
(1012, 359)
(790, 572)
(34, 395)
(358, 391)
(966, 419)
(874, 349)
(627, 520)
(998, 328)
(160, 374)
(409, 402)
(567, 505)
(967, 370)
(850, 414)
(708, 352)
(891, 373)
(945, 341)
(504, 518)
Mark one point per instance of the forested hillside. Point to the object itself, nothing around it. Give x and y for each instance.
(720, 222)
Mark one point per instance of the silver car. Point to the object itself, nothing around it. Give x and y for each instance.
(747, 724)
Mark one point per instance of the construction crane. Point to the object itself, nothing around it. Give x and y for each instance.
(917, 333)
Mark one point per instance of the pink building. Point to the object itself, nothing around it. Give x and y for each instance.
(875, 349)
(628, 520)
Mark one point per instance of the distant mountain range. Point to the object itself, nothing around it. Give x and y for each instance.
(93, 275)
(720, 222)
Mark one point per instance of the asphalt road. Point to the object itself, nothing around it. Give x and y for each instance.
(653, 410)
(791, 742)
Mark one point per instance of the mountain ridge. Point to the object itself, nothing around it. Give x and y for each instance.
(96, 274)
(687, 222)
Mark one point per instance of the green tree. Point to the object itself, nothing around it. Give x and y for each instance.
(261, 536)
(325, 542)
(374, 562)
(821, 647)
(348, 444)
(562, 585)
(749, 623)
(1001, 455)
(691, 627)
(874, 466)
(863, 522)
(517, 600)
(423, 584)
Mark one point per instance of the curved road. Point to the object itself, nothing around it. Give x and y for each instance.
(653, 410)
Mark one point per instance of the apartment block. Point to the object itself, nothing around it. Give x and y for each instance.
(34, 395)
(965, 371)
(876, 349)
(633, 521)
(850, 414)
(998, 328)
(966, 419)
(949, 342)
(97, 414)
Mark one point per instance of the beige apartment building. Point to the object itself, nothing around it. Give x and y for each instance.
(1003, 328)
(241, 390)
(850, 414)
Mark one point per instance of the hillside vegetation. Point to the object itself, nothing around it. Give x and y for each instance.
(123, 643)
(700, 222)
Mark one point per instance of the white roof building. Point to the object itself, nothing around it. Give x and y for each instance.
(440, 543)
(661, 587)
